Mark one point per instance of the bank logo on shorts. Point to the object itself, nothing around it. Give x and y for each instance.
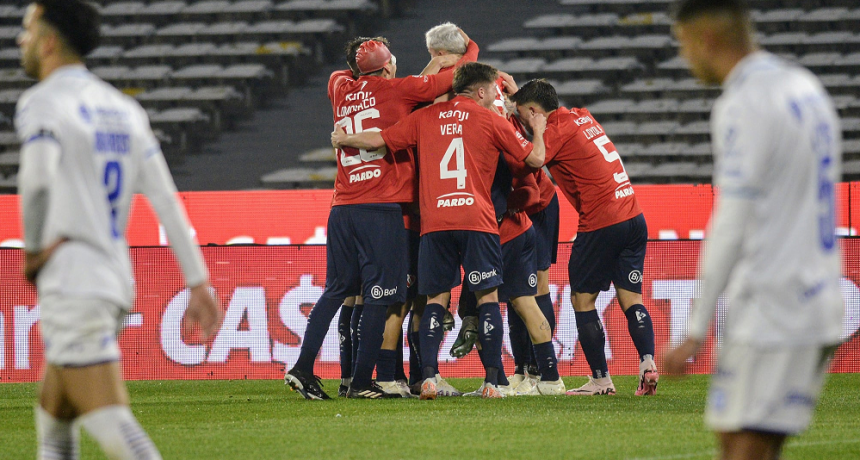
(635, 277)
(377, 292)
(532, 280)
(476, 277)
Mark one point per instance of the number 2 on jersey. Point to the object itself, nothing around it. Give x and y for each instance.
(113, 184)
(455, 149)
(354, 126)
(601, 143)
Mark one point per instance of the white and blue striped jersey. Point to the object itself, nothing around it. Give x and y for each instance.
(772, 246)
(107, 152)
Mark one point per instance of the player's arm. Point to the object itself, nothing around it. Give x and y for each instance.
(158, 186)
(438, 63)
(401, 136)
(739, 177)
(36, 125)
(538, 154)
(367, 140)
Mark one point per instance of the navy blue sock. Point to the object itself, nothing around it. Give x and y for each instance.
(345, 337)
(545, 304)
(353, 328)
(371, 327)
(641, 329)
(398, 365)
(547, 361)
(414, 352)
(520, 341)
(500, 375)
(385, 365)
(491, 335)
(430, 338)
(592, 339)
(319, 321)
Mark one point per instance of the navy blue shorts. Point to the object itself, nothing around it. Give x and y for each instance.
(613, 254)
(413, 240)
(545, 223)
(520, 274)
(441, 254)
(518, 263)
(364, 253)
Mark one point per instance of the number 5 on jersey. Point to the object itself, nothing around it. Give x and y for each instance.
(601, 143)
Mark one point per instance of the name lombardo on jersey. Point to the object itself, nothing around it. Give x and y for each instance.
(362, 99)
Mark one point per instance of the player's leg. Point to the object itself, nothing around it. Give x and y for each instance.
(381, 243)
(344, 332)
(628, 286)
(357, 310)
(546, 225)
(343, 279)
(750, 445)
(467, 310)
(413, 337)
(752, 408)
(438, 273)
(83, 381)
(482, 263)
(386, 365)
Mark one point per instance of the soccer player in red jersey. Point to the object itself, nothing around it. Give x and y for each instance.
(612, 236)
(366, 238)
(458, 146)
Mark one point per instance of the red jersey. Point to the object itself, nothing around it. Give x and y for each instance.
(586, 166)
(373, 103)
(458, 150)
(515, 222)
(547, 191)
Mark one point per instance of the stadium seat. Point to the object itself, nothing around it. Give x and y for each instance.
(121, 9)
(324, 154)
(611, 107)
(181, 32)
(209, 7)
(9, 32)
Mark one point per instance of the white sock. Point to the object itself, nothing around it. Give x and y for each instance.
(119, 435)
(58, 439)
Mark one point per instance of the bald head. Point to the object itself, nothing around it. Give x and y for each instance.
(714, 35)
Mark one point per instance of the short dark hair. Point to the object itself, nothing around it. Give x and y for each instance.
(352, 47)
(472, 74)
(78, 23)
(538, 91)
(686, 10)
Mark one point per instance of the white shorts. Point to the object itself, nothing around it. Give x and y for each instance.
(80, 332)
(766, 389)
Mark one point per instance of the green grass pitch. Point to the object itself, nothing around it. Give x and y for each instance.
(262, 419)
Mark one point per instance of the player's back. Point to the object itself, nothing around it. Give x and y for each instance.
(777, 142)
(104, 136)
(373, 103)
(458, 148)
(588, 169)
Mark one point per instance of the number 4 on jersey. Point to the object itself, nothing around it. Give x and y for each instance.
(459, 173)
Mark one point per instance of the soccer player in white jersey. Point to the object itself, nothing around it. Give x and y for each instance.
(85, 150)
(771, 244)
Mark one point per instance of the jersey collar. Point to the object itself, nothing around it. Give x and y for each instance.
(750, 63)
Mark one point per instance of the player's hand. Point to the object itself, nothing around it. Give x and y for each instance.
(447, 60)
(338, 136)
(465, 37)
(538, 123)
(203, 311)
(510, 86)
(34, 261)
(675, 360)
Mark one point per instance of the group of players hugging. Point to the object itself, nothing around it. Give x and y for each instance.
(435, 172)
